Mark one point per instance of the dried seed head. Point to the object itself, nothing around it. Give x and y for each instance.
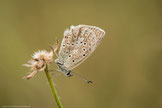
(39, 61)
(55, 47)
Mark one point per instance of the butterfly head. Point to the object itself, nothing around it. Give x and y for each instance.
(62, 68)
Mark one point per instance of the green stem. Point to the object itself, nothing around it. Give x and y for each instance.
(53, 88)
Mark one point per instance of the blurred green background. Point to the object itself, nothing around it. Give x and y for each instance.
(126, 68)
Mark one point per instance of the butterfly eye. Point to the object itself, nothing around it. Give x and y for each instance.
(73, 60)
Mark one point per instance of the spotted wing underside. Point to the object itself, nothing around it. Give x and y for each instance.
(78, 44)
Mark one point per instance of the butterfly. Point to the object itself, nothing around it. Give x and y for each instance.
(78, 43)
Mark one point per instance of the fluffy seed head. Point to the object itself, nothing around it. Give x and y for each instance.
(38, 62)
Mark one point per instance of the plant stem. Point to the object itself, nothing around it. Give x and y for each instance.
(53, 88)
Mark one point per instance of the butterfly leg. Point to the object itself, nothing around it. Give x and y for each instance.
(51, 70)
(54, 74)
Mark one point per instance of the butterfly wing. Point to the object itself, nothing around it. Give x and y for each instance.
(98, 32)
(78, 44)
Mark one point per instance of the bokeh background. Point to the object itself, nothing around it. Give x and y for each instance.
(126, 68)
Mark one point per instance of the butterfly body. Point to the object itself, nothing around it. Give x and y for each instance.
(78, 43)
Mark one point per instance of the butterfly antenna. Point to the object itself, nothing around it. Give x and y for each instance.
(86, 80)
